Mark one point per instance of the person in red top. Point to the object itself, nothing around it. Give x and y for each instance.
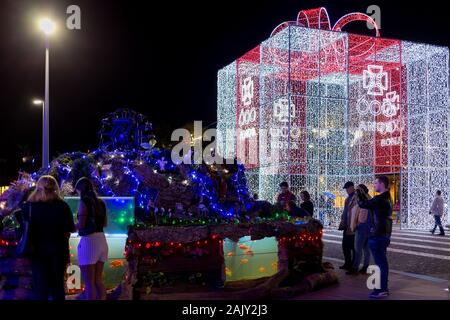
(285, 195)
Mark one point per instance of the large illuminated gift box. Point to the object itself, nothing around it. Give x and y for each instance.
(317, 106)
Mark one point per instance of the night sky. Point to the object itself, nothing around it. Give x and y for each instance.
(158, 57)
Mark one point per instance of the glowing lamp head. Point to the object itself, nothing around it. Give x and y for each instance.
(47, 26)
(37, 102)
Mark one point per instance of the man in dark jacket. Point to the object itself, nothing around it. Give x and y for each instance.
(380, 229)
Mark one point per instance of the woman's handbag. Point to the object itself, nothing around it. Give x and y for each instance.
(25, 249)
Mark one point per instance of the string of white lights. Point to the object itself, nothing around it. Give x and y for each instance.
(327, 107)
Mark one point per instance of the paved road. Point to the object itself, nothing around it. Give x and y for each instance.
(417, 252)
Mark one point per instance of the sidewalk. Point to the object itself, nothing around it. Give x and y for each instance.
(401, 286)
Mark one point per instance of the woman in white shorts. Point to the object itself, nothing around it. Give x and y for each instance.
(93, 248)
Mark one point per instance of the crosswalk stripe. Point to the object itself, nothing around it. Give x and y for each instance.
(394, 230)
(429, 236)
(410, 231)
(405, 244)
(442, 239)
(413, 231)
(404, 239)
(410, 252)
(420, 240)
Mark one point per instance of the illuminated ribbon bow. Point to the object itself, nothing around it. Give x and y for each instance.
(318, 19)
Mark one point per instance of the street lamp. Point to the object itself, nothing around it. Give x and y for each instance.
(47, 27)
(39, 102)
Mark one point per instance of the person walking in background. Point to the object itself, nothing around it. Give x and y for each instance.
(93, 248)
(306, 202)
(359, 225)
(437, 210)
(50, 224)
(348, 238)
(380, 229)
(285, 196)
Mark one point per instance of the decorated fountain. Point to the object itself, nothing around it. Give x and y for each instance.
(174, 229)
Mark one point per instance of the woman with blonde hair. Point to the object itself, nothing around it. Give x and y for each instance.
(359, 225)
(50, 223)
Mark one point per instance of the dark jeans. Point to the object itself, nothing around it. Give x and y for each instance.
(348, 247)
(378, 246)
(361, 245)
(438, 223)
(48, 277)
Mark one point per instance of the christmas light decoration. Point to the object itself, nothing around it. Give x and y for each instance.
(116, 175)
(169, 248)
(8, 243)
(226, 116)
(120, 212)
(251, 253)
(303, 238)
(317, 106)
(207, 190)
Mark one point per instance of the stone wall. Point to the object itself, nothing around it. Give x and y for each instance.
(194, 254)
(167, 250)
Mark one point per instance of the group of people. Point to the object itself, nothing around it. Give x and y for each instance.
(366, 223)
(50, 223)
(288, 201)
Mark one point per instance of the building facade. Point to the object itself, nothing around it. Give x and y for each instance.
(316, 106)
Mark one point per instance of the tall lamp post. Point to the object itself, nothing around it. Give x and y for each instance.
(47, 27)
(39, 102)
